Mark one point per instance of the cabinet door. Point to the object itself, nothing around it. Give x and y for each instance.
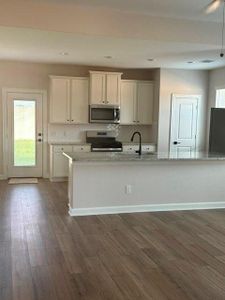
(97, 88)
(60, 163)
(79, 100)
(128, 102)
(59, 100)
(145, 97)
(113, 89)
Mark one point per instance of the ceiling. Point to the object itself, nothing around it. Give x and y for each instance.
(188, 9)
(44, 46)
(40, 30)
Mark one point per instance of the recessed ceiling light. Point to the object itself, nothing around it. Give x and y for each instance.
(64, 53)
(150, 59)
(207, 61)
(108, 57)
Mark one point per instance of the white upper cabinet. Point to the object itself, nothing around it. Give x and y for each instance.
(145, 97)
(128, 102)
(68, 100)
(79, 100)
(97, 88)
(113, 82)
(59, 100)
(137, 102)
(105, 88)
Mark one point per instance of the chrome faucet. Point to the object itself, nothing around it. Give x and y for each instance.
(132, 139)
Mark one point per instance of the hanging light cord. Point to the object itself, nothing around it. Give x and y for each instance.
(223, 28)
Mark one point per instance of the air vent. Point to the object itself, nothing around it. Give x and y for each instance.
(207, 61)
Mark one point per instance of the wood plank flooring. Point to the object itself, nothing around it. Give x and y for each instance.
(46, 255)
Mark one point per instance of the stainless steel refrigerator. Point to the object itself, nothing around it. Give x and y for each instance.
(217, 131)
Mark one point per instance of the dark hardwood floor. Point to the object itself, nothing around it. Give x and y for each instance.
(46, 255)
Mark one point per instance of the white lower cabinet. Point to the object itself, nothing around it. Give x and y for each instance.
(59, 164)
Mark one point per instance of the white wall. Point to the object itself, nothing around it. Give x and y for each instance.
(216, 80)
(181, 82)
(155, 124)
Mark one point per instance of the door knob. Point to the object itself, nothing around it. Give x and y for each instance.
(176, 143)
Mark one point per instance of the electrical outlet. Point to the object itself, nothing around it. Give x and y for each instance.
(128, 189)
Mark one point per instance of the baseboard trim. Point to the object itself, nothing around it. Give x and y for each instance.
(144, 208)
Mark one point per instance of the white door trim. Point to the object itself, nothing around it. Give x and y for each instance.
(173, 98)
(43, 93)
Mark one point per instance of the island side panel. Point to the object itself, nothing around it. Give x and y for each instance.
(101, 187)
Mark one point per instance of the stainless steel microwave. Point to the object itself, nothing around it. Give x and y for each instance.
(104, 114)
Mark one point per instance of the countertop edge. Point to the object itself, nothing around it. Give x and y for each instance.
(126, 158)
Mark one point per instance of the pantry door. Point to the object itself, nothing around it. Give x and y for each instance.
(25, 135)
(184, 125)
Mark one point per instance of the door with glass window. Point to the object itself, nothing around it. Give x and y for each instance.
(25, 137)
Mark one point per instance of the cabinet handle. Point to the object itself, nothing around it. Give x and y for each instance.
(138, 121)
(68, 120)
(72, 120)
(103, 101)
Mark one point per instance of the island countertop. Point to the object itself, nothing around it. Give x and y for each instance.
(148, 157)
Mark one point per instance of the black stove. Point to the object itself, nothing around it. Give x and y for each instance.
(103, 141)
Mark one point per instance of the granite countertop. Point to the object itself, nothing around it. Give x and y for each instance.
(84, 143)
(148, 157)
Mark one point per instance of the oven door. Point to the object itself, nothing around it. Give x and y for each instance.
(104, 114)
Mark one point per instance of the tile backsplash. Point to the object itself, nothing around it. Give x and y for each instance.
(77, 133)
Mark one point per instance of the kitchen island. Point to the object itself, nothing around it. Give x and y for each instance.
(123, 183)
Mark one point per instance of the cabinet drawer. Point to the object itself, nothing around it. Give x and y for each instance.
(62, 148)
(80, 148)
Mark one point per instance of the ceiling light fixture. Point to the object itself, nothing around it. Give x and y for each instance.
(212, 7)
(64, 53)
(108, 57)
(222, 48)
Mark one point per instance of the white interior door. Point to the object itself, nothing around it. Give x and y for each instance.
(25, 135)
(183, 125)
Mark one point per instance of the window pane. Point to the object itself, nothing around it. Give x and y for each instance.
(24, 133)
(220, 98)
